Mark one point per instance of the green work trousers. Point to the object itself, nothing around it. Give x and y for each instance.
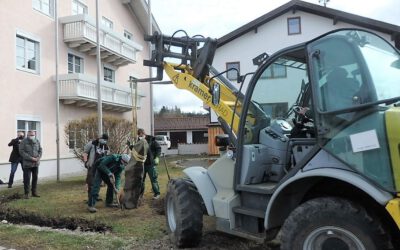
(94, 194)
(153, 175)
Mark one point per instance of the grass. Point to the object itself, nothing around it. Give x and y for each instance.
(67, 199)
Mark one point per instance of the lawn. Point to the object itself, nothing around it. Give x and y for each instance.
(130, 229)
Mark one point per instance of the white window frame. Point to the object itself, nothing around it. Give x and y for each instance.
(299, 27)
(107, 23)
(113, 69)
(127, 33)
(40, 9)
(30, 118)
(73, 63)
(232, 74)
(79, 4)
(37, 41)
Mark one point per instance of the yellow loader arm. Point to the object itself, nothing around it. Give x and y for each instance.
(182, 77)
(193, 74)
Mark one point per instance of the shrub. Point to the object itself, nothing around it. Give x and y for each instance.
(79, 132)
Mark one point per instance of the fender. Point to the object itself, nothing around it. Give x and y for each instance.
(204, 185)
(304, 180)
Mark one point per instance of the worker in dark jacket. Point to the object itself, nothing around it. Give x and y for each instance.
(93, 151)
(108, 169)
(15, 158)
(31, 152)
(152, 160)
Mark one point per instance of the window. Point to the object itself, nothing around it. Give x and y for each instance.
(78, 8)
(109, 75)
(75, 64)
(274, 71)
(128, 35)
(266, 104)
(107, 22)
(232, 74)
(27, 53)
(25, 126)
(44, 6)
(294, 25)
(275, 110)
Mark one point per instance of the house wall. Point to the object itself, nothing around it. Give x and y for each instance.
(33, 96)
(272, 37)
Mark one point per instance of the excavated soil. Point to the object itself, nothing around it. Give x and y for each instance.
(16, 216)
(211, 240)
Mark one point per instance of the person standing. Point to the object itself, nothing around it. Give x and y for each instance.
(93, 151)
(152, 160)
(31, 152)
(109, 169)
(15, 158)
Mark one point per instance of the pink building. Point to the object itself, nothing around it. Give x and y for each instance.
(27, 66)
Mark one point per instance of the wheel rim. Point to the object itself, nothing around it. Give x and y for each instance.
(171, 214)
(332, 238)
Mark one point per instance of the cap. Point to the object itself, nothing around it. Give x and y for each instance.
(104, 136)
(125, 158)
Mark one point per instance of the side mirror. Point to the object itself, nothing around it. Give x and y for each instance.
(222, 140)
(215, 92)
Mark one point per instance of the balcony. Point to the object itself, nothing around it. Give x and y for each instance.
(80, 34)
(81, 90)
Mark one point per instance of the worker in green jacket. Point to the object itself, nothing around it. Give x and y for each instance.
(109, 169)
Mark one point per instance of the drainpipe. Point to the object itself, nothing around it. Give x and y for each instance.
(57, 92)
(98, 57)
(151, 74)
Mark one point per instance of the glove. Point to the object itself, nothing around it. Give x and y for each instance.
(156, 161)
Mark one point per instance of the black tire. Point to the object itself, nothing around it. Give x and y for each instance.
(183, 210)
(333, 223)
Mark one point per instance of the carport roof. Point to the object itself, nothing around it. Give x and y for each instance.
(166, 123)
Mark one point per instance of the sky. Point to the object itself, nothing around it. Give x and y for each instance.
(215, 18)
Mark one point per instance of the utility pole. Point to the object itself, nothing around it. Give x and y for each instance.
(98, 57)
(151, 73)
(57, 91)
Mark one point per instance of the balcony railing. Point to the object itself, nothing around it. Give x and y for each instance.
(80, 34)
(81, 90)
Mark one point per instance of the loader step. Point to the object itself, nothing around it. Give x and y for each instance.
(223, 226)
(249, 211)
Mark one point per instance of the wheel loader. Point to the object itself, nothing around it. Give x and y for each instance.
(312, 150)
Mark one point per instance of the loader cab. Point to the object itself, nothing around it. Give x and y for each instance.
(276, 93)
(338, 79)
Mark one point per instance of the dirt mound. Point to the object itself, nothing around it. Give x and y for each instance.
(158, 206)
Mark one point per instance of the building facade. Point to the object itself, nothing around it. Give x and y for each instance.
(182, 129)
(292, 23)
(28, 66)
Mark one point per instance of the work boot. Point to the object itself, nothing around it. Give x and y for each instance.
(92, 209)
(112, 205)
(26, 196)
(35, 195)
(9, 186)
(156, 197)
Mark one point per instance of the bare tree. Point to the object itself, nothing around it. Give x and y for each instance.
(79, 132)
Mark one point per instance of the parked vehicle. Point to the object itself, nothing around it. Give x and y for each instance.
(163, 140)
